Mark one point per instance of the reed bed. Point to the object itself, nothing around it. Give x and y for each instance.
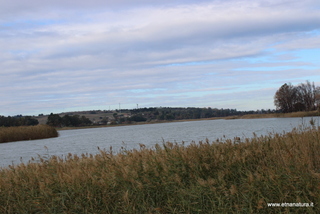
(204, 177)
(281, 115)
(10, 134)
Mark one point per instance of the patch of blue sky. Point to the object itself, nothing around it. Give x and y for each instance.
(137, 90)
(22, 54)
(44, 22)
(314, 32)
(309, 55)
(227, 90)
(200, 93)
(254, 59)
(145, 90)
(7, 24)
(275, 68)
(31, 22)
(241, 88)
(189, 63)
(299, 80)
(18, 52)
(270, 55)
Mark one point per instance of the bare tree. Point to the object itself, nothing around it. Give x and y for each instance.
(317, 98)
(304, 97)
(307, 95)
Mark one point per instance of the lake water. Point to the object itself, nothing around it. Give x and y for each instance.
(88, 140)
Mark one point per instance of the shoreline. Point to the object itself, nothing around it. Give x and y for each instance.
(246, 116)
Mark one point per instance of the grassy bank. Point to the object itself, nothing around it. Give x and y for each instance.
(277, 115)
(200, 178)
(9, 134)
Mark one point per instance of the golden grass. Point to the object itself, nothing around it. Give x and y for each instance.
(275, 115)
(199, 178)
(9, 134)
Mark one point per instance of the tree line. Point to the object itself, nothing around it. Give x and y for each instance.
(18, 120)
(303, 97)
(67, 120)
(180, 113)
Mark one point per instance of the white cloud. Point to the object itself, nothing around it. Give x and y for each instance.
(100, 53)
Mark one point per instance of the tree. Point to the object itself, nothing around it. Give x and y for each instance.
(286, 98)
(304, 97)
(29, 121)
(317, 98)
(138, 118)
(307, 95)
(75, 120)
(54, 120)
(85, 121)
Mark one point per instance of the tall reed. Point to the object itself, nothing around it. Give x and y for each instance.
(281, 115)
(9, 134)
(201, 177)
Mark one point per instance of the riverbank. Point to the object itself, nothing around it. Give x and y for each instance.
(278, 115)
(247, 116)
(200, 178)
(19, 133)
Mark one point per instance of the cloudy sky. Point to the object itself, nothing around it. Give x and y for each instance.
(63, 55)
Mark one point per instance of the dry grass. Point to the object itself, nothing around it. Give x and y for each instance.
(282, 115)
(9, 134)
(199, 178)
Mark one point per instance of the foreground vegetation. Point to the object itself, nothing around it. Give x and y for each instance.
(9, 134)
(202, 177)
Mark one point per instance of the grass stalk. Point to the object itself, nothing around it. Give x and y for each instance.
(19, 133)
(202, 177)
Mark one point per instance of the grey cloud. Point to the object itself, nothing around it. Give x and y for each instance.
(176, 54)
(28, 8)
(168, 36)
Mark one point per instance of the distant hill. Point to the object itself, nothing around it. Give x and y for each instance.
(128, 116)
(95, 115)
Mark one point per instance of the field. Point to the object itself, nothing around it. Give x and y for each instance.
(204, 177)
(93, 117)
(9, 134)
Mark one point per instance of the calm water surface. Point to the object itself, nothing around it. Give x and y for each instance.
(87, 140)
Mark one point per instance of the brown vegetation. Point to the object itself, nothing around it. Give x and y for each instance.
(277, 115)
(199, 178)
(10, 134)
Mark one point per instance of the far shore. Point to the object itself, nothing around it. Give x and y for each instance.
(246, 116)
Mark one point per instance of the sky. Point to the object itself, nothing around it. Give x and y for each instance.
(62, 55)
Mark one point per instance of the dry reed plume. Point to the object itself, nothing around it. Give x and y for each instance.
(199, 178)
(9, 134)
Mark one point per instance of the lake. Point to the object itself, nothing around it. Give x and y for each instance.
(81, 141)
